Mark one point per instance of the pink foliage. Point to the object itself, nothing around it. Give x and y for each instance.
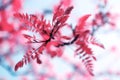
(51, 40)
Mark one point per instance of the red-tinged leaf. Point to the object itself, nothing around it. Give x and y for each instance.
(88, 61)
(63, 19)
(81, 22)
(52, 53)
(51, 48)
(86, 32)
(58, 13)
(66, 3)
(94, 58)
(21, 16)
(84, 18)
(86, 49)
(84, 54)
(91, 73)
(41, 48)
(34, 55)
(90, 70)
(89, 51)
(17, 15)
(45, 36)
(95, 42)
(66, 37)
(27, 16)
(22, 63)
(39, 61)
(27, 36)
(59, 52)
(68, 10)
(33, 17)
(87, 58)
(25, 61)
(100, 45)
(18, 65)
(28, 59)
(78, 49)
(89, 65)
(50, 44)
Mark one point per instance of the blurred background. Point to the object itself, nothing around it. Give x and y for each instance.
(104, 24)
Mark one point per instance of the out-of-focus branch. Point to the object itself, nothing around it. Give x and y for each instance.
(6, 67)
(103, 15)
(4, 6)
(10, 69)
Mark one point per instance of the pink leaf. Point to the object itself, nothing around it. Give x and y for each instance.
(68, 10)
(81, 22)
(66, 37)
(38, 61)
(27, 36)
(18, 65)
